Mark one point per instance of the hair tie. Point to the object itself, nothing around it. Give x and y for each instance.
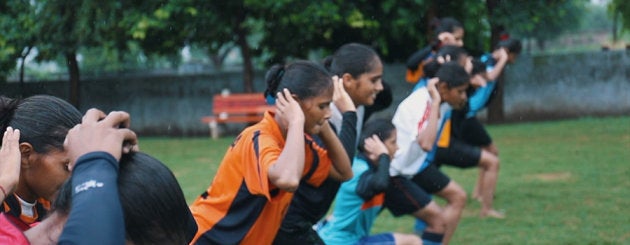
(270, 99)
(504, 36)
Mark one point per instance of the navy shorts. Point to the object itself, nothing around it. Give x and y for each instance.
(458, 154)
(299, 234)
(378, 239)
(404, 197)
(431, 179)
(474, 133)
(469, 129)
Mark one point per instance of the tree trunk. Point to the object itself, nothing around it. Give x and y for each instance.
(22, 76)
(73, 71)
(217, 61)
(431, 16)
(218, 58)
(495, 108)
(541, 44)
(22, 64)
(529, 46)
(248, 67)
(614, 26)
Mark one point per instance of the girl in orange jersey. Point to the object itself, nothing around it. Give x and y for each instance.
(254, 185)
(44, 122)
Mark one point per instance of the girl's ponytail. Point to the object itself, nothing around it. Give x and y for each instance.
(7, 110)
(273, 78)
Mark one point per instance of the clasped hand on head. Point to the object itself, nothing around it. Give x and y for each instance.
(288, 109)
(100, 132)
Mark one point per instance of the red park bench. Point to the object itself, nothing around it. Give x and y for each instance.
(236, 108)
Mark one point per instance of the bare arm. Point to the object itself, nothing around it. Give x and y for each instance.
(9, 161)
(287, 171)
(502, 58)
(426, 138)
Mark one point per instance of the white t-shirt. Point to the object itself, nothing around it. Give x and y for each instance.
(411, 117)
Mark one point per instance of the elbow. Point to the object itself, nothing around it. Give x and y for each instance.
(340, 176)
(426, 146)
(381, 187)
(425, 142)
(347, 176)
(288, 184)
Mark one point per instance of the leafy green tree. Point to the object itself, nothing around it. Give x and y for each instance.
(68, 27)
(65, 27)
(539, 19)
(211, 25)
(619, 8)
(280, 30)
(17, 35)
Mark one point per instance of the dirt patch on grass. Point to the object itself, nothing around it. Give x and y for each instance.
(551, 177)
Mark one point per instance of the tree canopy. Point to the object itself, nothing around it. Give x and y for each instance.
(545, 20)
(620, 8)
(18, 28)
(264, 31)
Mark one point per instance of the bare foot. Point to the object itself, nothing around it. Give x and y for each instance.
(476, 196)
(493, 214)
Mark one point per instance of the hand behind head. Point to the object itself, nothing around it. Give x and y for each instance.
(374, 147)
(98, 132)
(10, 160)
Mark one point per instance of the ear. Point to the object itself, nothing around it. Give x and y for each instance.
(442, 87)
(347, 80)
(27, 150)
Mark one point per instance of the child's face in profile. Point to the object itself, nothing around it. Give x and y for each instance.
(316, 111)
(512, 57)
(390, 143)
(456, 96)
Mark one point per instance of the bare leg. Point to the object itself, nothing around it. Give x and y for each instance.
(406, 239)
(433, 215)
(489, 164)
(492, 148)
(476, 194)
(456, 200)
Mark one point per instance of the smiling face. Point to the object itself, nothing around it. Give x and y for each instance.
(364, 88)
(42, 174)
(316, 111)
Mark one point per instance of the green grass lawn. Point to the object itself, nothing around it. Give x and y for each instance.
(561, 182)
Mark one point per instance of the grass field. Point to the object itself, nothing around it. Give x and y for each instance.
(561, 182)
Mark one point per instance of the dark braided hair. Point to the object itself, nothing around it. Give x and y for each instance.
(43, 120)
(303, 78)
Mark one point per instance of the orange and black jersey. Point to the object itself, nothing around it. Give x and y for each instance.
(11, 206)
(311, 203)
(242, 205)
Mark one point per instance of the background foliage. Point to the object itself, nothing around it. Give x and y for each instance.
(118, 36)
